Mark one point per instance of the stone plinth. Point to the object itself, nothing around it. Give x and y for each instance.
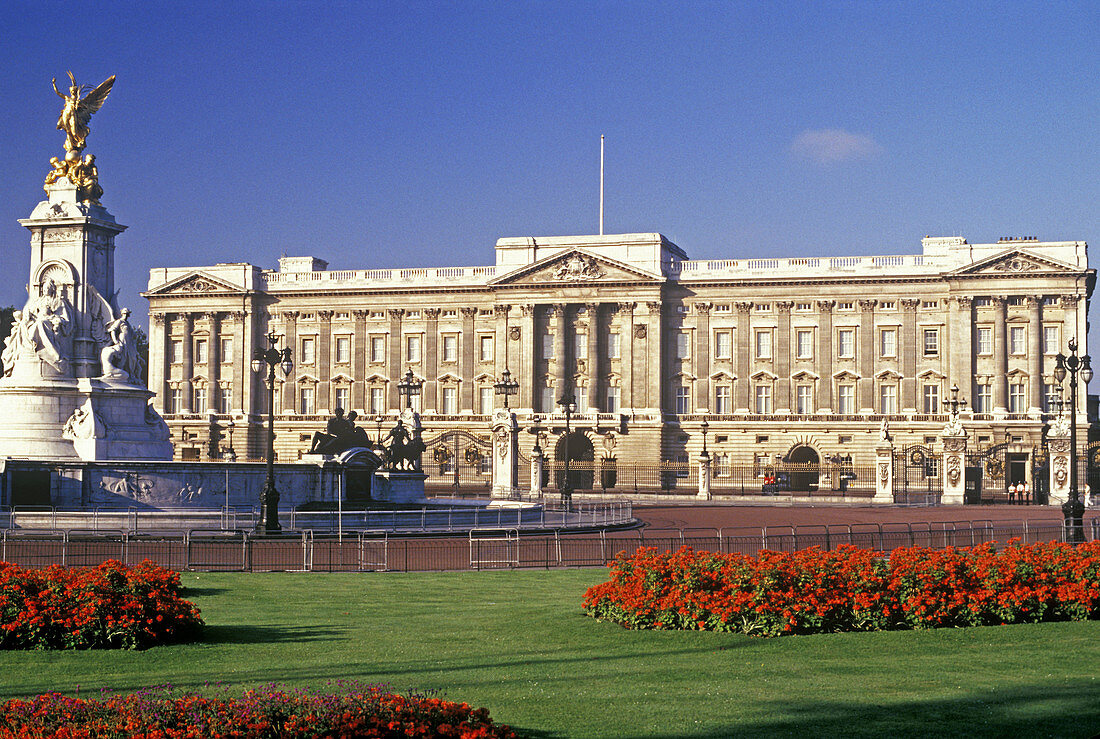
(704, 477)
(399, 486)
(1058, 445)
(505, 455)
(954, 467)
(537, 462)
(884, 475)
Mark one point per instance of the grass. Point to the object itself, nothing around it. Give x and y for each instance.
(516, 642)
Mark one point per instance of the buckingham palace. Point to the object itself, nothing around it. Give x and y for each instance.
(802, 359)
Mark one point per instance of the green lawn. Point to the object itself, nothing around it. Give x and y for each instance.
(518, 644)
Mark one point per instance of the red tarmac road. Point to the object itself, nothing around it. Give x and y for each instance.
(719, 516)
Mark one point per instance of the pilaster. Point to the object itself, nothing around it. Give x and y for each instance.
(782, 402)
(866, 351)
(825, 356)
(702, 359)
(909, 349)
(468, 348)
(393, 356)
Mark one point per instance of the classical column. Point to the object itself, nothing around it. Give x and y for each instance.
(866, 350)
(909, 348)
(393, 357)
(1000, 356)
(960, 344)
(743, 354)
(527, 346)
(249, 328)
(359, 361)
(825, 356)
(431, 360)
(188, 361)
(1034, 355)
(782, 365)
(595, 375)
(625, 312)
(702, 360)
(231, 327)
(561, 364)
(158, 364)
(211, 370)
(290, 323)
(653, 355)
(469, 347)
(324, 363)
(500, 341)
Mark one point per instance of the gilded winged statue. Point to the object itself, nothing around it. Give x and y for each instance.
(78, 110)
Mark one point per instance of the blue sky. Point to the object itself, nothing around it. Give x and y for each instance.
(380, 134)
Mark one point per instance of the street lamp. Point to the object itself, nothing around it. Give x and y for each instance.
(568, 405)
(1073, 509)
(408, 387)
(704, 429)
(271, 358)
(230, 454)
(506, 386)
(378, 421)
(955, 404)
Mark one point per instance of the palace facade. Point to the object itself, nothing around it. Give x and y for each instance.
(798, 357)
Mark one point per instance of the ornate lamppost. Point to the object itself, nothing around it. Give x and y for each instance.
(568, 405)
(704, 428)
(271, 358)
(506, 386)
(378, 421)
(1076, 367)
(955, 404)
(408, 387)
(230, 454)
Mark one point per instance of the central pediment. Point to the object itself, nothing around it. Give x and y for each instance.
(195, 283)
(1013, 262)
(576, 267)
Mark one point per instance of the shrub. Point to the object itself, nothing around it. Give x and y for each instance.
(351, 709)
(109, 606)
(849, 589)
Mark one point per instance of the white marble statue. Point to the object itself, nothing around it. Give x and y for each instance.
(13, 343)
(45, 326)
(120, 358)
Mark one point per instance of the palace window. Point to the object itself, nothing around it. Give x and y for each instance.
(982, 302)
(450, 401)
(413, 314)
(763, 343)
(804, 399)
(343, 398)
(683, 344)
(227, 350)
(683, 400)
(721, 307)
(762, 307)
(485, 344)
(612, 399)
(225, 402)
(1017, 336)
(485, 399)
(377, 315)
(547, 346)
(614, 345)
(804, 307)
(450, 314)
(985, 340)
(378, 349)
(846, 399)
(580, 345)
(377, 400)
(1016, 397)
(581, 396)
(932, 398)
(888, 342)
(1051, 340)
(845, 306)
(763, 398)
(888, 399)
(412, 348)
(723, 344)
(450, 348)
(307, 405)
(201, 355)
(175, 351)
(1050, 301)
(929, 304)
(888, 305)
(1016, 300)
(309, 351)
(547, 400)
(804, 343)
(931, 342)
(175, 400)
(846, 343)
(343, 350)
(198, 404)
(1051, 396)
(983, 398)
(723, 395)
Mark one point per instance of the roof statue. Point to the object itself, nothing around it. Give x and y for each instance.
(80, 104)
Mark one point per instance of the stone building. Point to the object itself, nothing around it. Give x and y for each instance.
(797, 357)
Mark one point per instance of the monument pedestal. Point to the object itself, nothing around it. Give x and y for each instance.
(399, 486)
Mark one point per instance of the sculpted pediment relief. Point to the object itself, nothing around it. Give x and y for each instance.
(195, 283)
(1015, 262)
(575, 267)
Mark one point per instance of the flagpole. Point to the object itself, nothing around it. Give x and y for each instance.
(601, 184)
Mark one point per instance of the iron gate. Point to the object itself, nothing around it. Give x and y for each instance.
(986, 481)
(917, 472)
(459, 462)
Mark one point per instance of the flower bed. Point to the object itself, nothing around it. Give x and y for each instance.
(109, 606)
(351, 710)
(850, 589)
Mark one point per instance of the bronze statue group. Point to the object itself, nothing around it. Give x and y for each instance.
(399, 450)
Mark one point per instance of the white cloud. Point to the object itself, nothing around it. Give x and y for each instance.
(831, 145)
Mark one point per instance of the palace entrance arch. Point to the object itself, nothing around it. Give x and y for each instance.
(581, 456)
(805, 467)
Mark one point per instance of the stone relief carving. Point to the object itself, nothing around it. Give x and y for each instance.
(578, 267)
(1061, 470)
(954, 443)
(953, 428)
(1016, 264)
(639, 331)
(197, 285)
(884, 473)
(954, 469)
(514, 333)
(83, 424)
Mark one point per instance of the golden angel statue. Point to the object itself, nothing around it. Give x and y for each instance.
(78, 110)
